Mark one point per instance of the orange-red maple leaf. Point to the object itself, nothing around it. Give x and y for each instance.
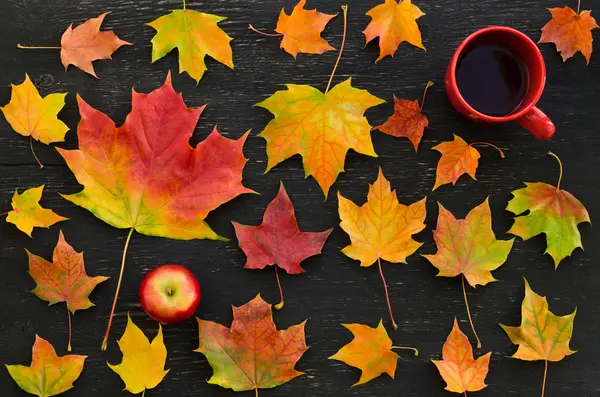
(278, 240)
(86, 43)
(302, 29)
(408, 120)
(570, 31)
(459, 369)
(394, 23)
(64, 279)
(252, 354)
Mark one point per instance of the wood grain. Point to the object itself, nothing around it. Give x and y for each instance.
(334, 289)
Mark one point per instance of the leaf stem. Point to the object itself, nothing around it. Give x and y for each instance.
(387, 295)
(345, 11)
(26, 47)
(70, 333)
(4, 213)
(469, 313)
(144, 393)
(560, 175)
(545, 375)
(184, 8)
(490, 145)
(279, 306)
(406, 348)
(465, 394)
(112, 311)
(578, 6)
(33, 152)
(429, 84)
(263, 33)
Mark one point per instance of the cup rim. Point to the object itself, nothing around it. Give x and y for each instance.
(523, 109)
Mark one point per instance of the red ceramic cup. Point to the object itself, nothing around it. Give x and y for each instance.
(527, 115)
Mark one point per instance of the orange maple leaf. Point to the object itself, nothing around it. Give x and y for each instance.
(370, 351)
(85, 44)
(302, 29)
(394, 23)
(571, 32)
(459, 369)
(64, 279)
(408, 120)
(458, 158)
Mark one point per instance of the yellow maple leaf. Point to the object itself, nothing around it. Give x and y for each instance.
(370, 351)
(31, 115)
(27, 212)
(382, 228)
(143, 362)
(195, 34)
(320, 127)
(394, 23)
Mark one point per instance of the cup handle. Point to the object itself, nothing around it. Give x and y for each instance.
(538, 124)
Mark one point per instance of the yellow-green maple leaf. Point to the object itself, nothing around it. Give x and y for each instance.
(143, 362)
(48, 375)
(542, 335)
(27, 212)
(195, 34)
(320, 127)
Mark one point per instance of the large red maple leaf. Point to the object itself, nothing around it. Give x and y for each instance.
(145, 175)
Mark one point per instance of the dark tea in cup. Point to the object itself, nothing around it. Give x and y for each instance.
(492, 78)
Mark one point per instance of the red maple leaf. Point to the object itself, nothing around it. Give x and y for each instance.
(278, 240)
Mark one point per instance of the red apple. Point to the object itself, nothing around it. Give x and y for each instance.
(170, 294)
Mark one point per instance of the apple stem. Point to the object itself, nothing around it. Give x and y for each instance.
(70, 333)
(252, 28)
(345, 11)
(256, 392)
(406, 348)
(429, 84)
(469, 313)
(278, 306)
(387, 295)
(112, 311)
(33, 152)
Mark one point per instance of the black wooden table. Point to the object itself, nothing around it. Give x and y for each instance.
(335, 289)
